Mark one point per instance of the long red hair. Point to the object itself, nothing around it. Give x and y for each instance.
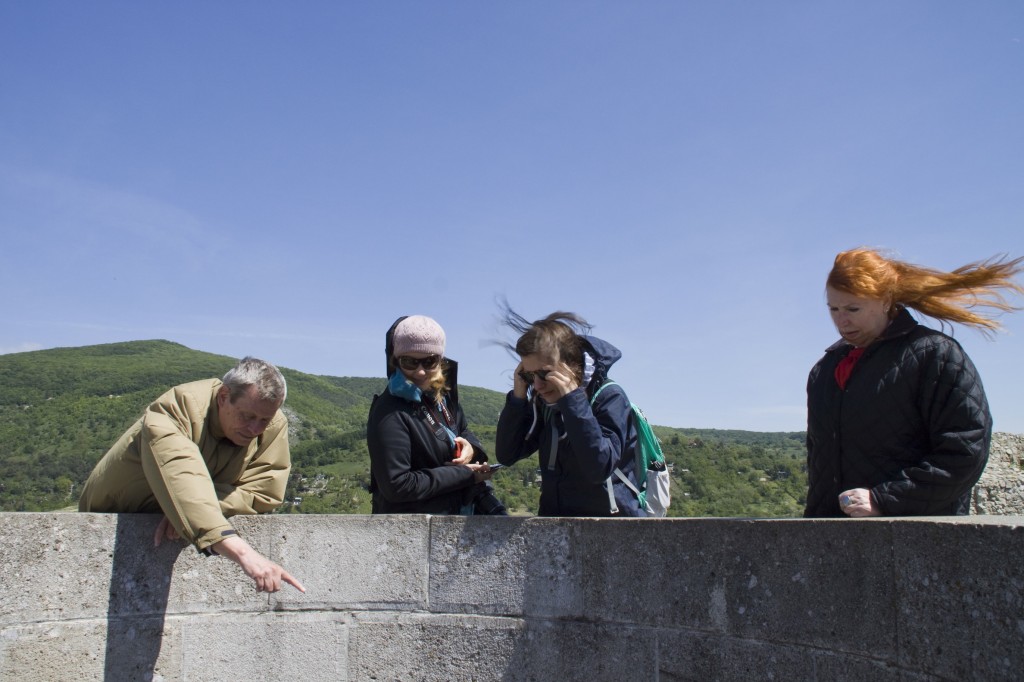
(946, 296)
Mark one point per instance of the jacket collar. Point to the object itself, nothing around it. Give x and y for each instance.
(213, 418)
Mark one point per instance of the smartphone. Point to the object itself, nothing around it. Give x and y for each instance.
(496, 466)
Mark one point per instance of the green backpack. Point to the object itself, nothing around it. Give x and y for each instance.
(653, 494)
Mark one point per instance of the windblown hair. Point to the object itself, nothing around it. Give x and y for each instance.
(250, 371)
(559, 335)
(439, 381)
(945, 296)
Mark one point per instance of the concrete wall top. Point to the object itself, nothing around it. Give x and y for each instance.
(419, 597)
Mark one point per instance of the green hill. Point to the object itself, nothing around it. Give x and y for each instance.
(61, 409)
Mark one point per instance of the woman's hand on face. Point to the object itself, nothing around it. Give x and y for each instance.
(561, 381)
(518, 385)
(858, 503)
(465, 452)
(552, 380)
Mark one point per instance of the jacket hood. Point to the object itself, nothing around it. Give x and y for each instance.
(604, 354)
(389, 347)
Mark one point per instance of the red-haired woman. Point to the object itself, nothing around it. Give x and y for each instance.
(897, 419)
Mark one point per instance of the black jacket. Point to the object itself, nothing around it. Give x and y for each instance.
(592, 442)
(912, 425)
(409, 473)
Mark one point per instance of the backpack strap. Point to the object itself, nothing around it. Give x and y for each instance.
(553, 451)
(603, 386)
(612, 506)
(618, 472)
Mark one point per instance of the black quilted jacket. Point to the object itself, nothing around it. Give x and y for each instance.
(912, 425)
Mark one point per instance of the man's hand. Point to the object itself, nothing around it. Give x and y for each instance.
(267, 575)
(164, 531)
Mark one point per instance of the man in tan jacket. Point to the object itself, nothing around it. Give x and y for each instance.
(200, 453)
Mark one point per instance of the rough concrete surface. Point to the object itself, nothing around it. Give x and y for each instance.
(455, 598)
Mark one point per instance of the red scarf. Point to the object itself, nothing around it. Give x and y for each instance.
(845, 367)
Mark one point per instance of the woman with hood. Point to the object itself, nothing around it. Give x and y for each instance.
(423, 457)
(555, 406)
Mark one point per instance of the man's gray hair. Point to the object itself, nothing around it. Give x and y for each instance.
(250, 371)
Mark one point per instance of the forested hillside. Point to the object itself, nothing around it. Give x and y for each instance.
(61, 409)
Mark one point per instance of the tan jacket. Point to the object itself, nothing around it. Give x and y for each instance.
(175, 459)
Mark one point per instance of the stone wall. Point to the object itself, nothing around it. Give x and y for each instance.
(1001, 488)
(86, 597)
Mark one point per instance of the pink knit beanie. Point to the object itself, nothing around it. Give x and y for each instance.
(419, 334)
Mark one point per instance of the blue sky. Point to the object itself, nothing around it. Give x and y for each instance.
(285, 179)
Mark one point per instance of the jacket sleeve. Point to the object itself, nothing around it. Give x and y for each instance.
(598, 434)
(390, 444)
(513, 439)
(955, 410)
(261, 486)
(820, 465)
(810, 505)
(177, 473)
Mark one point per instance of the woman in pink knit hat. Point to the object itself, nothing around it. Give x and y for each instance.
(423, 457)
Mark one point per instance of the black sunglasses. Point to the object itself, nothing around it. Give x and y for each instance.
(541, 374)
(410, 363)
